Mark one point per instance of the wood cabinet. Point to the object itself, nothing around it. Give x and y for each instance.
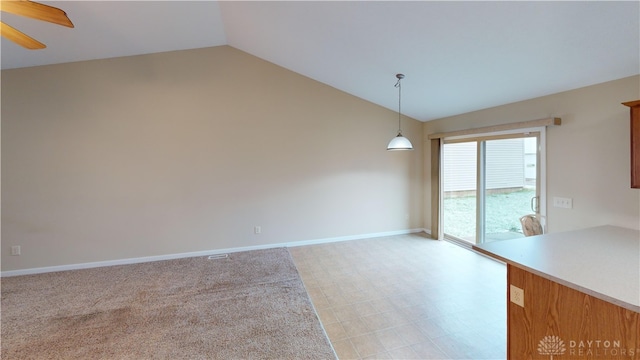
(635, 142)
(572, 295)
(558, 320)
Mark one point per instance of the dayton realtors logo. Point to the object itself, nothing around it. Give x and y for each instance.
(551, 345)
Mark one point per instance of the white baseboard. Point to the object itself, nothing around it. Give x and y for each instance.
(90, 265)
(352, 237)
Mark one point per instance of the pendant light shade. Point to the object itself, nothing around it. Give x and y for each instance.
(399, 142)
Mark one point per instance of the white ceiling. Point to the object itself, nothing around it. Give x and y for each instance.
(457, 56)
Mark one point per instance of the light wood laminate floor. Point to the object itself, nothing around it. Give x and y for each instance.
(406, 297)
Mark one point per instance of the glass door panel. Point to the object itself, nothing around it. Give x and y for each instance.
(459, 190)
(510, 189)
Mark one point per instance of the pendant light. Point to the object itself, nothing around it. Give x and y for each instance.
(399, 142)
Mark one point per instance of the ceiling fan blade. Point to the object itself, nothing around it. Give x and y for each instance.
(37, 11)
(20, 38)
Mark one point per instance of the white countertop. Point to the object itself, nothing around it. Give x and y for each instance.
(602, 261)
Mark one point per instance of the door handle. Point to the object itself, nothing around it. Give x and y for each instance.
(534, 204)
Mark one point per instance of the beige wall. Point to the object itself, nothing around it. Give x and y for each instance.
(587, 157)
(188, 151)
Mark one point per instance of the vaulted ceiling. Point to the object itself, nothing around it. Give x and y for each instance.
(457, 56)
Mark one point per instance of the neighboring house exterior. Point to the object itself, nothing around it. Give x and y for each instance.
(511, 164)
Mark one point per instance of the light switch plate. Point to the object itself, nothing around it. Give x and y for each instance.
(561, 202)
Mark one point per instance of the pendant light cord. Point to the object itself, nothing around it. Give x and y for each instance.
(399, 142)
(399, 86)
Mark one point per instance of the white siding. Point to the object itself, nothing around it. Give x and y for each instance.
(505, 165)
(459, 166)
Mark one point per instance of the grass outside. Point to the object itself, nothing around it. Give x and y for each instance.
(503, 212)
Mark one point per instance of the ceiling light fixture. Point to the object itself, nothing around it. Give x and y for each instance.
(399, 142)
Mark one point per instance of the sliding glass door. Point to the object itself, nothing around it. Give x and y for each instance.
(488, 183)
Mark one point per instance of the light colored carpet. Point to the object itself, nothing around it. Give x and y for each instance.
(251, 305)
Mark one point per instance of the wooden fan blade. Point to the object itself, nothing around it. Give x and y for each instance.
(20, 38)
(37, 11)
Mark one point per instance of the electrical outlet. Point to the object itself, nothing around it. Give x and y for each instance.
(560, 202)
(15, 250)
(257, 230)
(516, 295)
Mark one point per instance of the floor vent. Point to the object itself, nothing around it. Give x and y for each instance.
(218, 256)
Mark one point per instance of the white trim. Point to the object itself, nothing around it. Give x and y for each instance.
(96, 264)
(352, 237)
(542, 208)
